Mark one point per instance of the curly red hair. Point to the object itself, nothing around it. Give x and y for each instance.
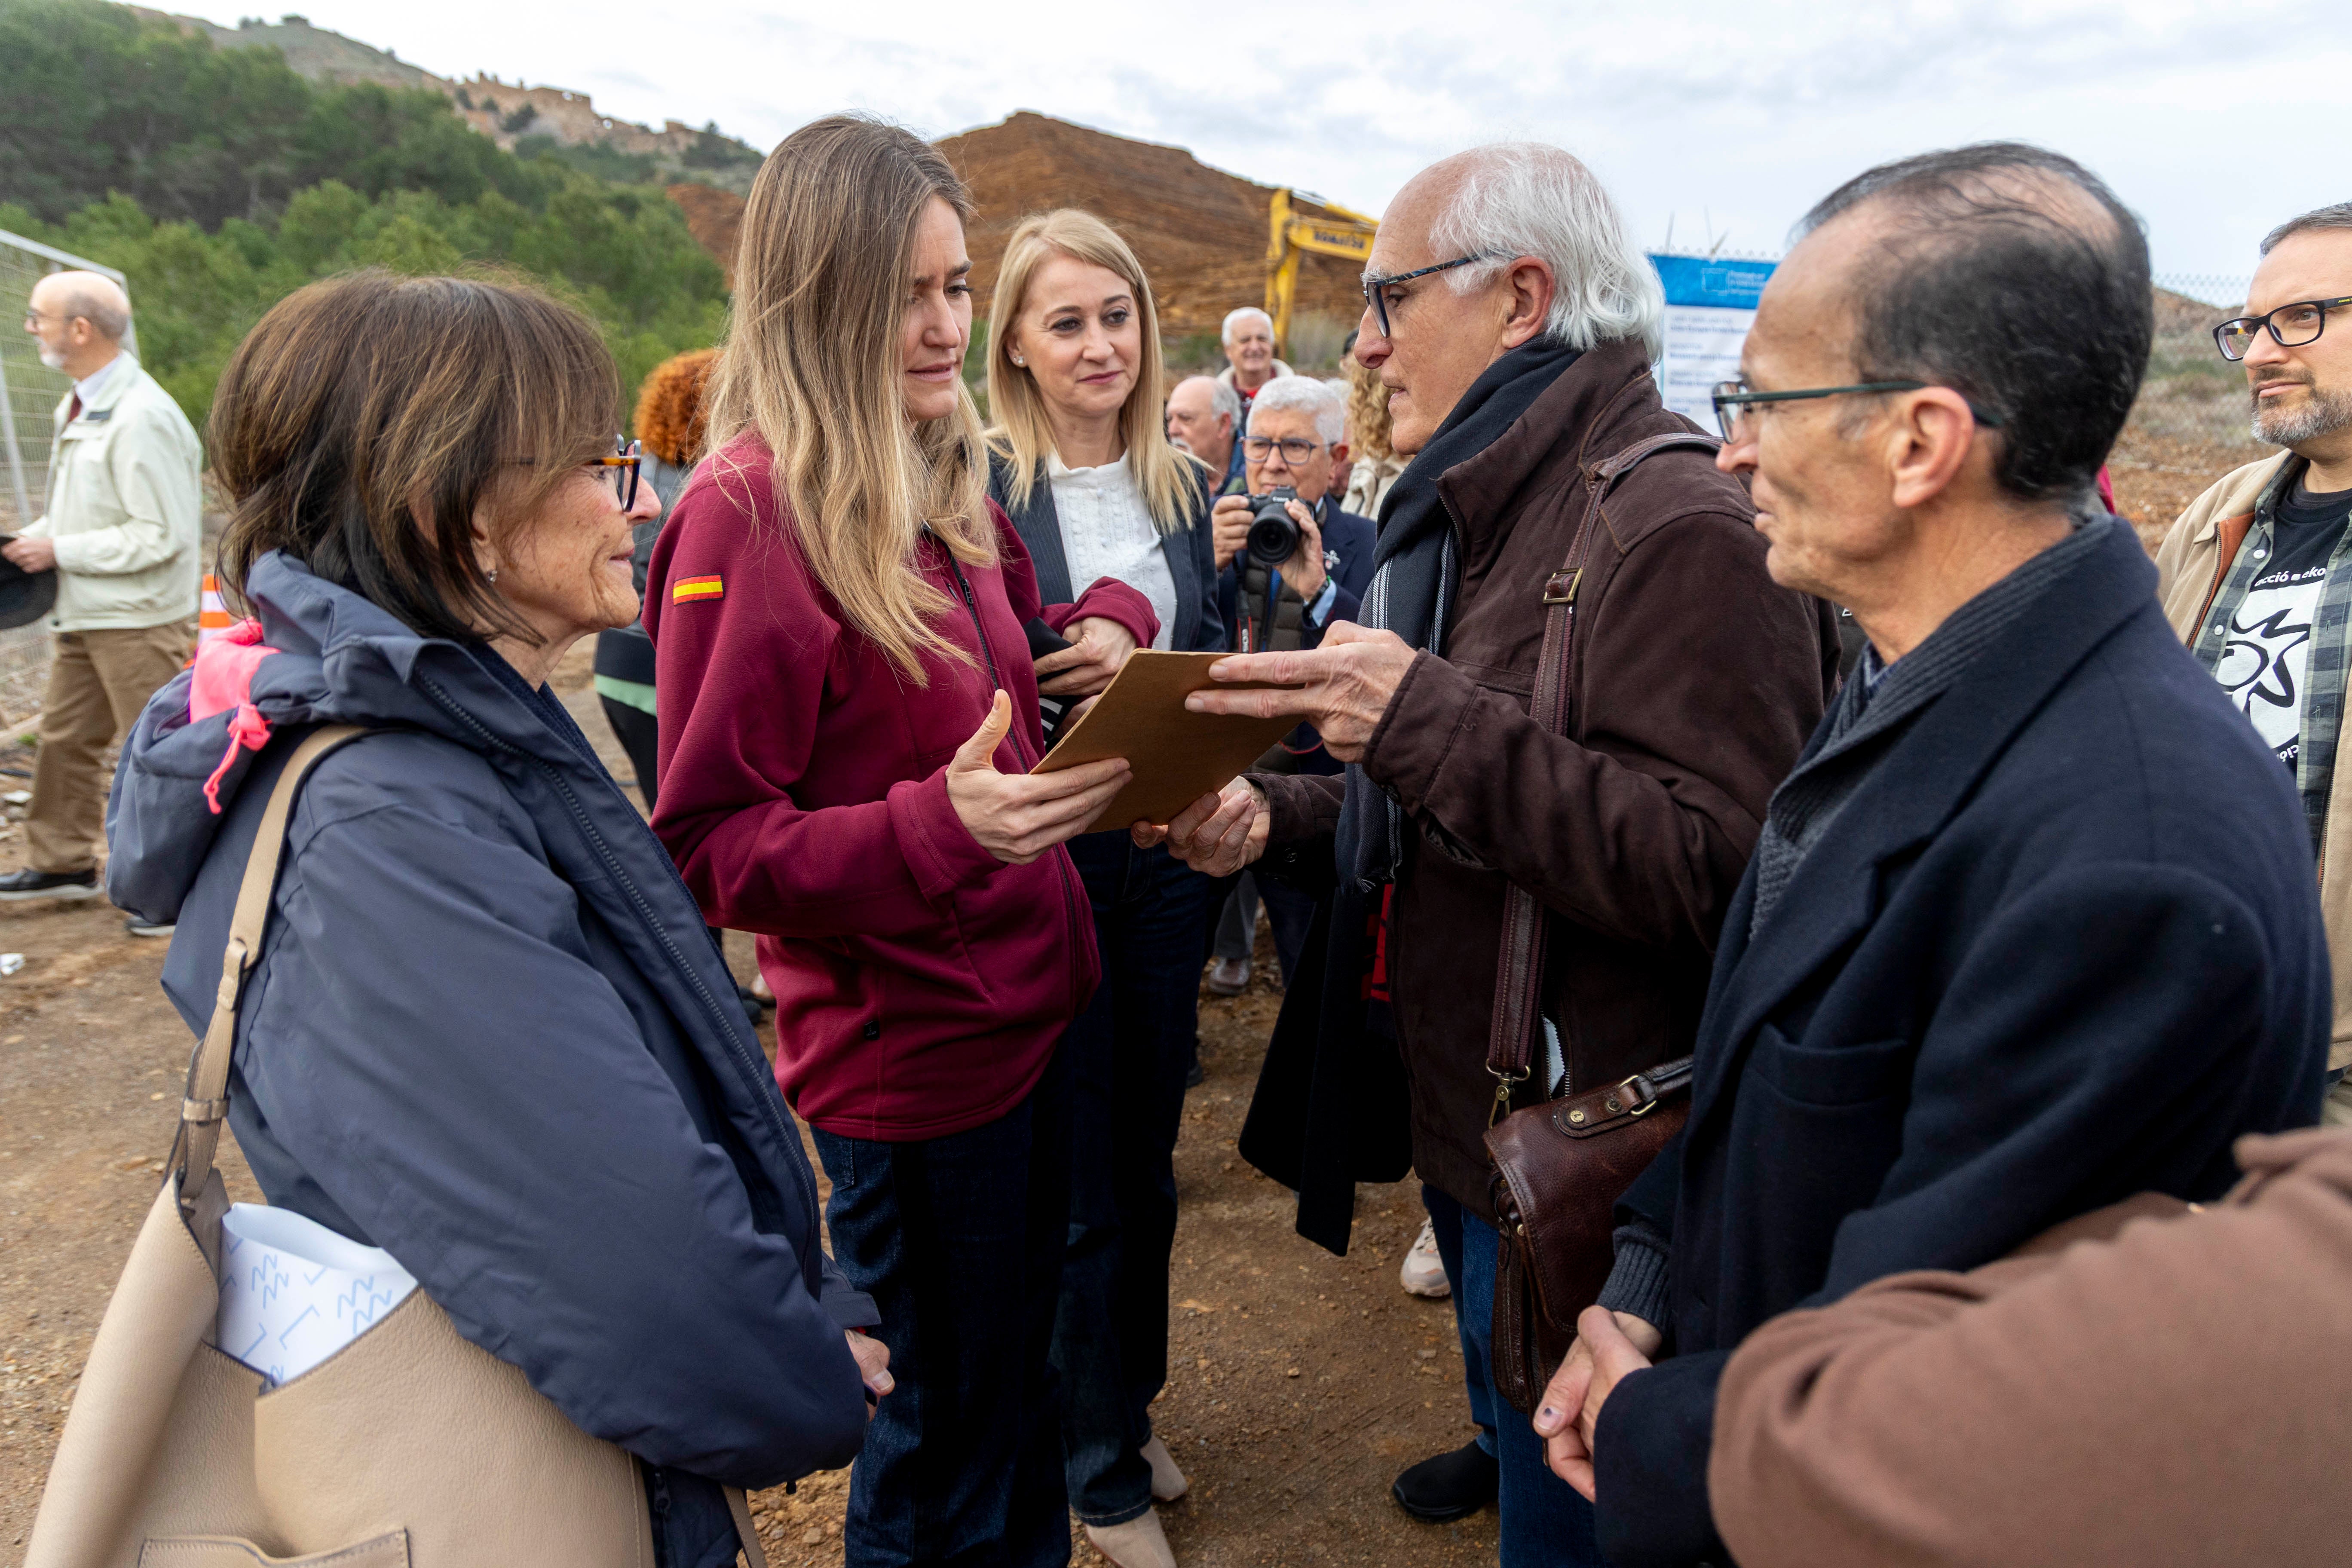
(670, 406)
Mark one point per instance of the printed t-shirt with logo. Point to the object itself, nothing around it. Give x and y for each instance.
(2263, 663)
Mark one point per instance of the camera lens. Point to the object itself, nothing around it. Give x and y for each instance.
(1273, 536)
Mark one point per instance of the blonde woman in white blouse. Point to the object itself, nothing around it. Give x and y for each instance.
(1081, 462)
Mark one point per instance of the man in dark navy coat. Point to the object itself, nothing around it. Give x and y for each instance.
(2033, 925)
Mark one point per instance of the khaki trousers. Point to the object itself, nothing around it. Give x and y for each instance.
(98, 683)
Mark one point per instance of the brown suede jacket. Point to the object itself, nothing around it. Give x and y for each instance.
(1693, 683)
(2143, 1387)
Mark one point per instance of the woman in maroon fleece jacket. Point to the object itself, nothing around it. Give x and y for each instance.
(848, 718)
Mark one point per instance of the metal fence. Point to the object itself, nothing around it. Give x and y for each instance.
(29, 394)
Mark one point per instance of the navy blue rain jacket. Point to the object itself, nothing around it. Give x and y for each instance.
(488, 1033)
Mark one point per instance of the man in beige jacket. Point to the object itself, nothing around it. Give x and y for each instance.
(122, 529)
(2256, 577)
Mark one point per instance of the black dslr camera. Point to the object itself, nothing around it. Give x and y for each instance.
(1273, 536)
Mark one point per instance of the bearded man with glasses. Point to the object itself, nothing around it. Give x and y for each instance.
(2256, 577)
(1513, 323)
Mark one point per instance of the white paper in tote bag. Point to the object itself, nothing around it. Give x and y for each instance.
(293, 1292)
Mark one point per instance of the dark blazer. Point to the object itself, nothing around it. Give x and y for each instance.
(1345, 535)
(1192, 561)
(2063, 945)
(1351, 538)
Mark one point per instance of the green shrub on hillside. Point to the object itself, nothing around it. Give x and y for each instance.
(627, 260)
(108, 100)
(219, 182)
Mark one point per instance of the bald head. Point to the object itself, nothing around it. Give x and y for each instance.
(92, 295)
(1204, 413)
(79, 319)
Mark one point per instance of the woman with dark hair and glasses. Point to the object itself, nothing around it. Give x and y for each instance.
(486, 1033)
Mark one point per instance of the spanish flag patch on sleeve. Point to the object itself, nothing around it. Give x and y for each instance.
(686, 588)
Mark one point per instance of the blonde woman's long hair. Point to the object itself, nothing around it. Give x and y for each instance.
(812, 364)
(1368, 413)
(1167, 479)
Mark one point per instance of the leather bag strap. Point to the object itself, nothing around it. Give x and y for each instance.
(205, 1105)
(747, 1533)
(1519, 971)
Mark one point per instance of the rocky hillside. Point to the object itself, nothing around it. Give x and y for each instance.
(510, 113)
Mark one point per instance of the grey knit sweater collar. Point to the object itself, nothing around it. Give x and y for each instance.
(1870, 716)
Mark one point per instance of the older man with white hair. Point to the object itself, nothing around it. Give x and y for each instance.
(1248, 339)
(121, 528)
(1204, 417)
(1297, 434)
(1573, 692)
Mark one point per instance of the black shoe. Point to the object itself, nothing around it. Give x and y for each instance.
(752, 999)
(1194, 1075)
(140, 925)
(1449, 1486)
(31, 884)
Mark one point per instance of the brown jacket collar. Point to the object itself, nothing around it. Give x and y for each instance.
(1564, 427)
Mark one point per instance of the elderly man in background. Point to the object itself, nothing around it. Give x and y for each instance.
(122, 529)
(1298, 431)
(2032, 925)
(1248, 337)
(1204, 417)
(2256, 577)
(1513, 321)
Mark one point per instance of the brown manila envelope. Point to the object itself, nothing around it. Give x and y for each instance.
(1175, 756)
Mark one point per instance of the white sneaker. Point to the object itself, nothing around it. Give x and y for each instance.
(1168, 1482)
(1423, 1273)
(1138, 1543)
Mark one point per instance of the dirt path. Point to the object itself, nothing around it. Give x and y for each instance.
(1299, 1383)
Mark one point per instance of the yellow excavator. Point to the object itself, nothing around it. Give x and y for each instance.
(1335, 231)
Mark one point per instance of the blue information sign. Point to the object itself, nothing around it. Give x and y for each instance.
(1705, 280)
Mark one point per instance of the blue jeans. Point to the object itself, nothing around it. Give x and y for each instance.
(1128, 1052)
(959, 1240)
(1544, 1522)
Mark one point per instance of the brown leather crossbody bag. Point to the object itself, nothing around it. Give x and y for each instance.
(1561, 1166)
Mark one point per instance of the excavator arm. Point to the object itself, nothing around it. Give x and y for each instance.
(1335, 231)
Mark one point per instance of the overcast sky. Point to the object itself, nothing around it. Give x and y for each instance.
(1725, 117)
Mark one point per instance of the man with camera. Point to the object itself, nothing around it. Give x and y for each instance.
(1291, 568)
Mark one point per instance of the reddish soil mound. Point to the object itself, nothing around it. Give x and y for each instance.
(1200, 232)
(714, 217)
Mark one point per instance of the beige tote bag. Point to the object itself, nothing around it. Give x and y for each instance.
(410, 1447)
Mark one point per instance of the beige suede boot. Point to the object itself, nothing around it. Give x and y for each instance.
(1138, 1543)
(1168, 1482)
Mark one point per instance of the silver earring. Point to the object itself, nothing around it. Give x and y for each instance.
(492, 574)
(1022, 362)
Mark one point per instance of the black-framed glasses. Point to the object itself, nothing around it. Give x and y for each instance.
(1734, 398)
(1376, 302)
(626, 459)
(627, 462)
(2290, 326)
(1296, 449)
